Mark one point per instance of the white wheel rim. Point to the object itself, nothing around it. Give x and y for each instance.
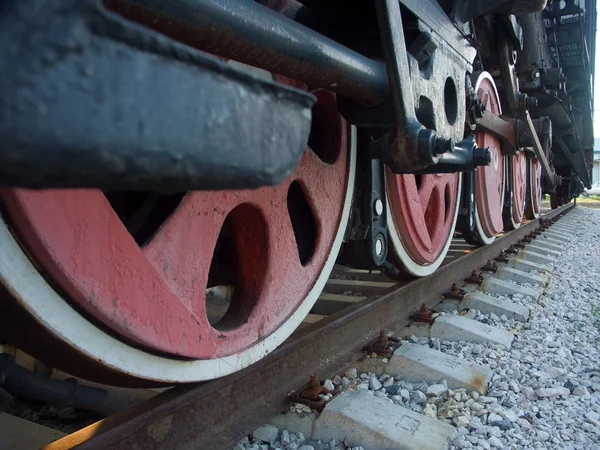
(40, 300)
(496, 160)
(411, 266)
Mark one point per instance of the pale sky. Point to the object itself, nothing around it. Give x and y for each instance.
(596, 86)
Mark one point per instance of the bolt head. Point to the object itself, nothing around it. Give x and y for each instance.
(443, 145)
(379, 246)
(482, 156)
(531, 103)
(378, 207)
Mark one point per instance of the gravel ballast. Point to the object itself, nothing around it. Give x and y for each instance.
(545, 391)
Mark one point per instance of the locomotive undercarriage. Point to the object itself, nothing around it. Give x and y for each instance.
(199, 165)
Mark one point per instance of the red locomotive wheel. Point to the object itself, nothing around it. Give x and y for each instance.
(534, 189)
(133, 283)
(518, 189)
(489, 180)
(422, 213)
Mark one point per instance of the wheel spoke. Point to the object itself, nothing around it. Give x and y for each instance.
(435, 213)
(519, 187)
(182, 249)
(425, 190)
(101, 267)
(318, 180)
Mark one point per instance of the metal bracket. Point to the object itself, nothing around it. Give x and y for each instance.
(410, 146)
(466, 215)
(466, 157)
(539, 152)
(503, 128)
(377, 236)
(311, 394)
(368, 237)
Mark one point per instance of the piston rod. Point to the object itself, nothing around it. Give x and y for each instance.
(250, 33)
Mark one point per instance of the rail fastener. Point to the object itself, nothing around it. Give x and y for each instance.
(490, 267)
(475, 277)
(455, 293)
(314, 394)
(424, 315)
(384, 345)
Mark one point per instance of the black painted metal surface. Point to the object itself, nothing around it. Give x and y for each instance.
(88, 99)
(251, 33)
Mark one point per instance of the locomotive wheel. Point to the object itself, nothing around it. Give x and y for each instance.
(489, 180)
(518, 190)
(534, 189)
(422, 213)
(124, 281)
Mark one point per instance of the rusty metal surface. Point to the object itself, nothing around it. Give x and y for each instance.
(216, 414)
(501, 127)
(424, 315)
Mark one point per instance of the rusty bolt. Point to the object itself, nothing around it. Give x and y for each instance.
(476, 107)
(490, 267)
(424, 315)
(454, 293)
(519, 244)
(384, 345)
(313, 389)
(529, 238)
(310, 394)
(475, 277)
(383, 338)
(502, 257)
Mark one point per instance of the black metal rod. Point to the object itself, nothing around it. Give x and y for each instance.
(247, 32)
(392, 35)
(19, 381)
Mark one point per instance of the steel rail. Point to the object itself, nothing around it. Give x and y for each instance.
(216, 414)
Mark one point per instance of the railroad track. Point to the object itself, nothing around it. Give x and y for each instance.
(350, 313)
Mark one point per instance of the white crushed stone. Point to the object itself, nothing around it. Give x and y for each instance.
(547, 387)
(545, 391)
